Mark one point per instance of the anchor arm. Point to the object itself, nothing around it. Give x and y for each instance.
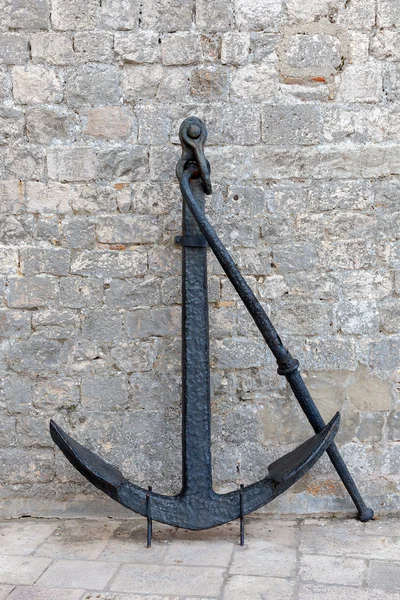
(287, 365)
(196, 510)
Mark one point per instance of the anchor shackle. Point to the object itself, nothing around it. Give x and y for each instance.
(193, 135)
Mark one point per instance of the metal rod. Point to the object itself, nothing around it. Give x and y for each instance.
(241, 515)
(196, 395)
(149, 520)
(288, 366)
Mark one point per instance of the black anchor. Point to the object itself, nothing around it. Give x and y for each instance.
(198, 506)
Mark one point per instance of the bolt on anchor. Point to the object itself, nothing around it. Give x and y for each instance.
(198, 506)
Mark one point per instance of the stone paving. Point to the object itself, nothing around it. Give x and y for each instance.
(300, 559)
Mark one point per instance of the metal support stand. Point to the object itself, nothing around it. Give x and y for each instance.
(198, 506)
(241, 515)
(149, 521)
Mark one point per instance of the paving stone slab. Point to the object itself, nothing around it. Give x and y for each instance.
(4, 591)
(128, 543)
(243, 587)
(352, 526)
(379, 527)
(229, 532)
(336, 544)
(22, 570)
(278, 533)
(384, 575)
(154, 579)
(199, 552)
(78, 574)
(257, 558)
(22, 537)
(110, 596)
(76, 539)
(330, 569)
(36, 593)
(334, 592)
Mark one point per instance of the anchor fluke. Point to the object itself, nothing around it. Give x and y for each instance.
(100, 473)
(298, 460)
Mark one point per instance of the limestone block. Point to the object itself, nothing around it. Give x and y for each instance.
(93, 85)
(105, 393)
(94, 46)
(71, 164)
(102, 326)
(235, 48)
(36, 84)
(137, 47)
(81, 292)
(129, 229)
(32, 292)
(254, 81)
(45, 125)
(52, 48)
(128, 294)
(54, 261)
(109, 122)
(181, 49)
(388, 13)
(263, 15)
(13, 49)
(159, 322)
(78, 232)
(291, 124)
(360, 83)
(74, 14)
(141, 81)
(369, 393)
(109, 263)
(120, 14)
(167, 15)
(213, 15)
(29, 14)
(46, 199)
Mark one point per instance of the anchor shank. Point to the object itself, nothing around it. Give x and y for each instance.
(196, 412)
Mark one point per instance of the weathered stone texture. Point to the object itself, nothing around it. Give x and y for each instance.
(13, 49)
(109, 122)
(44, 125)
(74, 14)
(27, 14)
(360, 83)
(35, 84)
(93, 85)
(31, 292)
(235, 48)
(94, 46)
(71, 164)
(137, 47)
(302, 103)
(52, 48)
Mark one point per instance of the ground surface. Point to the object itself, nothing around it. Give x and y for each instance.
(302, 559)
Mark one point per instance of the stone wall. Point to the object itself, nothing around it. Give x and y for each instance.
(301, 100)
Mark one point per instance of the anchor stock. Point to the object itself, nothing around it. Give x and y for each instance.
(198, 506)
